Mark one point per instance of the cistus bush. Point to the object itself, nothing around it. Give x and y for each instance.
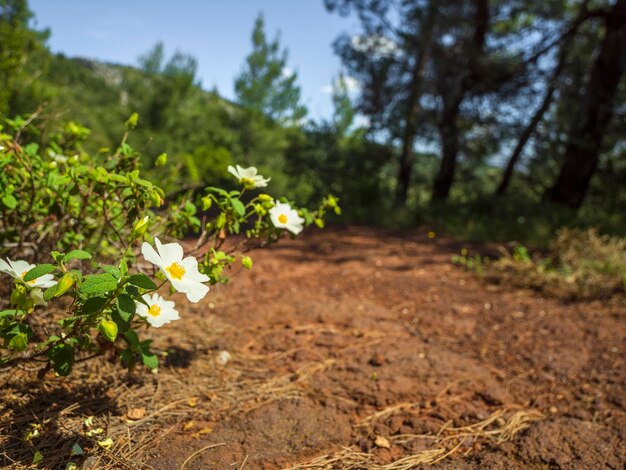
(76, 228)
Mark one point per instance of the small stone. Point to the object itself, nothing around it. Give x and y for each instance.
(223, 357)
(377, 360)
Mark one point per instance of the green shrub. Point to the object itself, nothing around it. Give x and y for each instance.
(580, 264)
(71, 229)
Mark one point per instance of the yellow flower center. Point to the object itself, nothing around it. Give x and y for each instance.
(248, 183)
(282, 218)
(27, 282)
(154, 310)
(176, 270)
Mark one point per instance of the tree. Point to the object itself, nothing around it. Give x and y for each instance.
(427, 69)
(343, 110)
(565, 44)
(20, 46)
(174, 81)
(588, 128)
(265, 84)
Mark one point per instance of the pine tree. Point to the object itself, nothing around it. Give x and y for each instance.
(265, 84)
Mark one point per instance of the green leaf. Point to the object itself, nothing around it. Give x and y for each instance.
(92, 305)
(143, 281)
(122, 324)
(37, 458)
(77, 450)
(62, 358)
(57, 256)
(76, 254)
(19, 342)
(9, 201)
(39, 271)
(127, 357)
(126, 306)
(108, 329)
(131, 337)
(98, 284)
(113, 271)
(150, 359)
(49, 293)
(8, 313)
(246, 261)
(238, 206)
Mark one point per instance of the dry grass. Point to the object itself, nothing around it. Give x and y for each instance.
(581, 264)
(499, 427)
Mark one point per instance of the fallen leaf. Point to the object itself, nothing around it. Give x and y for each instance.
(94, 432)
(188, 425)
(382, 442)
(106, 444)
(202, 431)
(136, 413)
(192, 401)
(77, 450)
(37, 458)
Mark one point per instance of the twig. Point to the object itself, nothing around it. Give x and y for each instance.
(182, 467)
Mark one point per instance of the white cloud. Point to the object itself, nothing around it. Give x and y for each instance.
(287, 72)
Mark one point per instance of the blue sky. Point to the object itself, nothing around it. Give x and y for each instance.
(217, 33)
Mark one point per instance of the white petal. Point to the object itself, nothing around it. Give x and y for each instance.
(170, 252)
(20, 267)
(5, 268)
(191, 270)
(232, 171)
(45, 281)
(249, 172)
(196, 291)
(150, 255)
(294, 228)
(141, 309)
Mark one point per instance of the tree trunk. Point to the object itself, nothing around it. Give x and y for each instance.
(448, 127)
(410, 130)
(585, 140)
(449, 132)
(565, 41)
(413, 109)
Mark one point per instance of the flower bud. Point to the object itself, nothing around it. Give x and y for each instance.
(64, 284)
(140, 227)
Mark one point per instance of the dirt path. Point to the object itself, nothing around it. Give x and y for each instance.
(357, 348)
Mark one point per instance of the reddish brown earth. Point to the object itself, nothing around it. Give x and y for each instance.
(396, 323)
(332, 328)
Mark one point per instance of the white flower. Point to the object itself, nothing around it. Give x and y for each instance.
(248, 177)
(182, 273)
(283, 216)
(18, 270)
(158, 312)
(57, 157)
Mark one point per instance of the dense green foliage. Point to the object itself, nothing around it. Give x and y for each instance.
(472, 110)
(81, 217)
